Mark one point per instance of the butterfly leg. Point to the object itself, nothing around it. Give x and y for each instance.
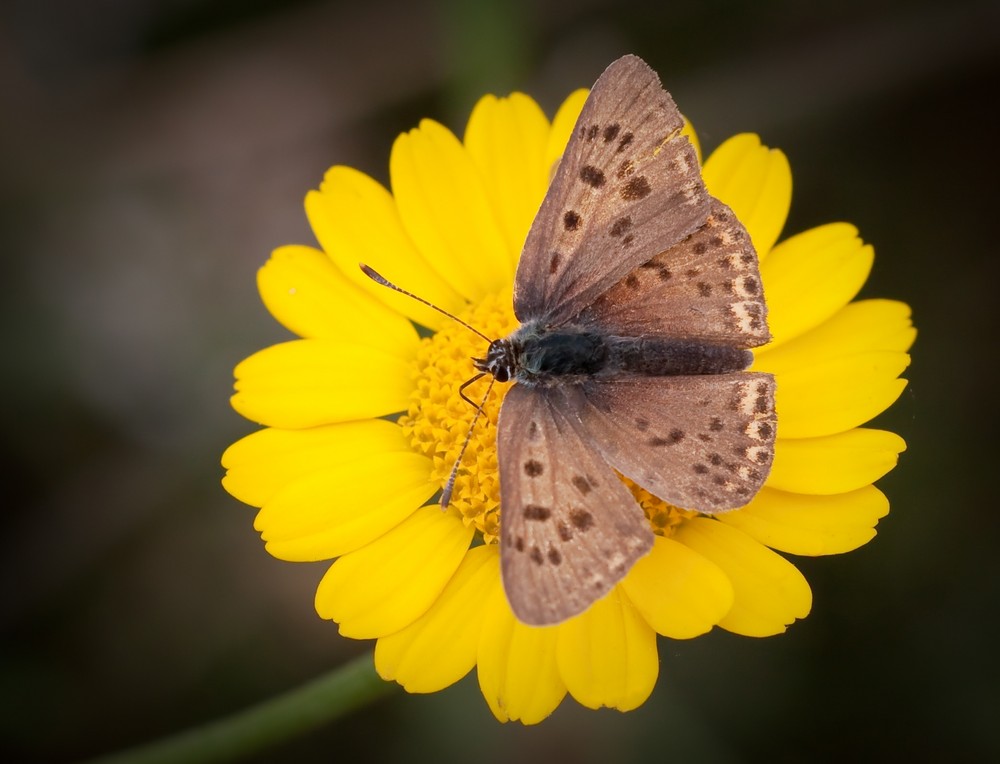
(461, 390)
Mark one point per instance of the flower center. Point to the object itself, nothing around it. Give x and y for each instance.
(438, 421)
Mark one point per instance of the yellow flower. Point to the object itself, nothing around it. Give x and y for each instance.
(337, 474)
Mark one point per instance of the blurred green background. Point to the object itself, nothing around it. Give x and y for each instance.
(153, 152)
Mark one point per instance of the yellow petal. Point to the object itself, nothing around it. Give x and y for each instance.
(385, 586)
(446, 211)
(857, 328)
(507, 139)
(607, 655)
(756, 182)
(516, 664)
(680, 593)
(355, 220)
(344, 506)
(440, 647)
(562, 127)
(769, 592)
(263, 462)
(835, 463)
(307, 294)
(811, 525)
(835, 395)
(811, 276)
(305, 383)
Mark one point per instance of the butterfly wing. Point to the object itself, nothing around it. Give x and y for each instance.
(628, 186)
(698, 442)
(706, 287)
(570, 529)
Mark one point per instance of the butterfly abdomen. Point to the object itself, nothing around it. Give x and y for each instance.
(663, 357)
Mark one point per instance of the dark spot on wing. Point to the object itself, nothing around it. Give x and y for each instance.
(519, 543)
(620, 226)
(625, 169)
(635, 188)
(715, 424)
(764, 430)
(571, 220)
(532, 430)
(642, 424)
(611, 132)
(719, 479)
(533, 468)
(592, 176)
(751, 285)
(536, 555)
(673, 438)
(700, 248)
(624, 143)
(715, 459)
(700, 469)
(704, 289)
(592, 132)
(627, 241)
(554, 557)
(760, 405)
(582, 519)
(535, 512)
(664, 273)
(632, 281)
(554, 262)
(581, 484)
(692, 272)
(716, 241)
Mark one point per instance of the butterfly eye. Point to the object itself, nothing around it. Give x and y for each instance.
(502, 374)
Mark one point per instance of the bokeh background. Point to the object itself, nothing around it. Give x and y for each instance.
(153, 152)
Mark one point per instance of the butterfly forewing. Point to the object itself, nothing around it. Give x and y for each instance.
(570, 529)
(698, 442)
(627, 188)
(706, 287)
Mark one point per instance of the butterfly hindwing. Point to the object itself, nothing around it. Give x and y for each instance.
(698, 442)
(706, 287)
(570, 529)
(627, 187)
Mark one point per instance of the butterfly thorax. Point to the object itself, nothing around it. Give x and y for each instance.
(536, 355)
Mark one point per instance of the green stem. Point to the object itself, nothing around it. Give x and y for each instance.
(266, 724)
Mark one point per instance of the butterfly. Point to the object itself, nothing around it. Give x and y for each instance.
(638, 296)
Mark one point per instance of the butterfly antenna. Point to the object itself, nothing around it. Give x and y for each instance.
(450, 485)
(380, 279)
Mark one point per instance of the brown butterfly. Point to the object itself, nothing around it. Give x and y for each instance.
(638, 295)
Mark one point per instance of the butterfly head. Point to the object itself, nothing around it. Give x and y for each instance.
(500, 360)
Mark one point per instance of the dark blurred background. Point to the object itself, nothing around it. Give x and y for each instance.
(153, 152)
